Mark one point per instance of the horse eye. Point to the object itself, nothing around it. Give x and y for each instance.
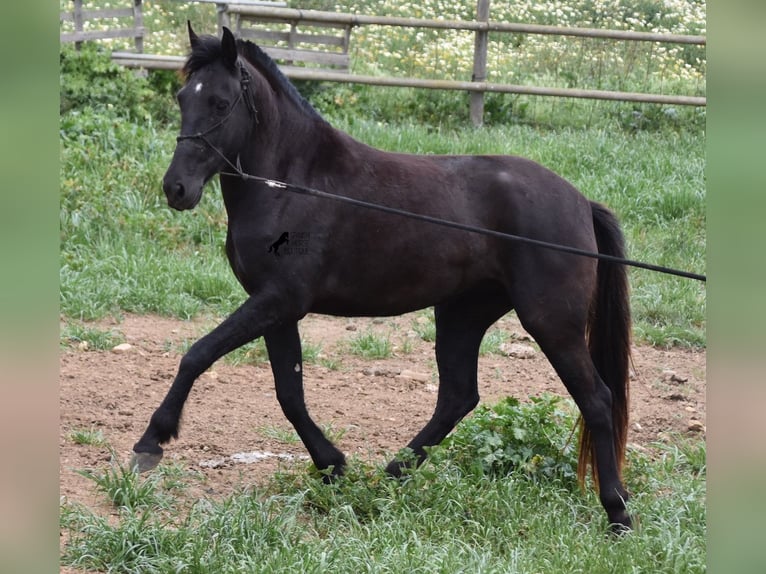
(219, 104)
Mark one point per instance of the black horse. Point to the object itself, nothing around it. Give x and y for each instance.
(239, 111)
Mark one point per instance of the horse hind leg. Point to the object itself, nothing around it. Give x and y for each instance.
(460, 327)
(559, 329)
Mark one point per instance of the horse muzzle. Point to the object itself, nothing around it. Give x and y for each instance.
(181, 194)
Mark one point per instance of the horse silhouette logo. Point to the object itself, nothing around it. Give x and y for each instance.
(284, 238)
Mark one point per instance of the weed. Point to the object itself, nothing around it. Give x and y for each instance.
(535, 439)
(253, 353)
(492, 342)
(370, 346)
(311, 352)
(287, 436)
(332, 363)
(89, 437)
(425, 326)
(125, 488)
(333, 434)
(90, 338)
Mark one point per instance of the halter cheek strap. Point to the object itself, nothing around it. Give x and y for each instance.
(247, 94)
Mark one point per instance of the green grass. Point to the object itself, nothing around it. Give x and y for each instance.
(87, 437)
(87, 337)
(253, 353)
(331, 363)
(281, 434)
(126, 489)
(493, 339)
(499, 496)
(312, 352)
(424, 326)
(370, 345)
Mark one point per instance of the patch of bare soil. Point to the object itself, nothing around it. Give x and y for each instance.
(375, 405)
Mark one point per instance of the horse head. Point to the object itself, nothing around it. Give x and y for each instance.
(217, 116)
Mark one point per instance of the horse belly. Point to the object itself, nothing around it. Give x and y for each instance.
(396, 281)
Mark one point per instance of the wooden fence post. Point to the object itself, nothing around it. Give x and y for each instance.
(222, 11)
(138, 22)
(78, 20)
(479, 63)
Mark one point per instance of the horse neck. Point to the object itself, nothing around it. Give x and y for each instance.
(285, 133)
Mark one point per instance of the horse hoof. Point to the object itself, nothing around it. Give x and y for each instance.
(144, 461)
(396, 469)
(619, 530)
(333, 472)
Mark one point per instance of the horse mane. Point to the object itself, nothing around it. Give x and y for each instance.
(268, 67)
(208, 50)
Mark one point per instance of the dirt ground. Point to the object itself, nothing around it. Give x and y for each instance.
(375, 405)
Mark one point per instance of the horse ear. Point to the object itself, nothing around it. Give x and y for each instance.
(193, 38)
(229, 46)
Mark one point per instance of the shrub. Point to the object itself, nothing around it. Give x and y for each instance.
(89, 80)
(534, 439)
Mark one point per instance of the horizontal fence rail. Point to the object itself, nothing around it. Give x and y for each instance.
(473, 86)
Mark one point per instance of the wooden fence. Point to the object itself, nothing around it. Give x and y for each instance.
(130, 20)
(328, 60)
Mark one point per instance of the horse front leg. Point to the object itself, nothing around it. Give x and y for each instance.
(244, 325)
(284, 346)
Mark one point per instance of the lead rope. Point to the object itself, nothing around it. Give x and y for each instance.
(456, 225)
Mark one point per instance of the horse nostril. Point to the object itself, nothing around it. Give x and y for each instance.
(174, 190)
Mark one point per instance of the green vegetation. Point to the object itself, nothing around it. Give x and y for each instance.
(88, 437)
(498, 496)
(89, 338)
(127, 490)
(311, 352)
(283, 435)
(370, 346)
(253, 353)
(524, 59)
(493, 339)
(425, 326)
(534, 439)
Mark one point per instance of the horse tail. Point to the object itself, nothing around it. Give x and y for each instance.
(609, 338)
